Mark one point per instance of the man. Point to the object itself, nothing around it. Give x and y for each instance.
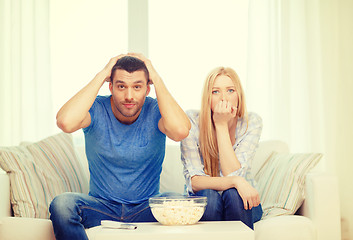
(125, 145)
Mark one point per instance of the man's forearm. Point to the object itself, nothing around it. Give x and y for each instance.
(175, 121)
(73, 114)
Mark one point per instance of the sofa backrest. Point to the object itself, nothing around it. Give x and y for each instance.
(172, 178)
(264, 151)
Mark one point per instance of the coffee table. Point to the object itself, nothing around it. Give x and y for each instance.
(225, 230)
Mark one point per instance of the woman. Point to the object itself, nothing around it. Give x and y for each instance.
(218, 152)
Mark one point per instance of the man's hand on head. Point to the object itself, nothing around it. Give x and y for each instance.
(108, 68)
(152, 72)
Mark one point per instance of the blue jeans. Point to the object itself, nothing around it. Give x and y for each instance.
(71, 213)
(228, 206)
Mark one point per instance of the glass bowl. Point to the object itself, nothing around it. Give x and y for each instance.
(178, 210)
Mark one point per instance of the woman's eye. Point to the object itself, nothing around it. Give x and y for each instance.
(215, 92)
(230, 90)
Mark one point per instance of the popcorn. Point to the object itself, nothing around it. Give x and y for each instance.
(178, 212)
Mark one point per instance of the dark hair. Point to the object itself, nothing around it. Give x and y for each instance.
(130, 64)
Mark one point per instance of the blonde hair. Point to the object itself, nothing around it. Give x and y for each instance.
(208, 140)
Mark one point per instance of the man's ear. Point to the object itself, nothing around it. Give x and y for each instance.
(111, 87)
(148, 89)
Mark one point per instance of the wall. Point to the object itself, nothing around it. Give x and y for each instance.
(345, 115)
(337, 49)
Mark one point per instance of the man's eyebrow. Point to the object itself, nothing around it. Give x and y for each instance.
(139, 81)
(135, 82)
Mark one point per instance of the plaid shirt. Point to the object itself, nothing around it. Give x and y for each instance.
(244, 147)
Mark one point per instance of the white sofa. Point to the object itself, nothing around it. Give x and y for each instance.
(317, 219)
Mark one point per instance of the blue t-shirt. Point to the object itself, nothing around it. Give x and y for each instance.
(125, 161)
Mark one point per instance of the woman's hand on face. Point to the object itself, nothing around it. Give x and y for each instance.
(248, 193)
(224, 112)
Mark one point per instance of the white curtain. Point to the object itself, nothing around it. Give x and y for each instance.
(284, 72)
(25, 98)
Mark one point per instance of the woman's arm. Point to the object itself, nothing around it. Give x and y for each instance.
(247, 192)
(223, 115)
(197, 180)
(227, 157)
(236, 162)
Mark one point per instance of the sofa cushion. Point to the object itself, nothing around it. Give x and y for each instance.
(281, 182)
(285, 227)
(40, 171)
(15, 228)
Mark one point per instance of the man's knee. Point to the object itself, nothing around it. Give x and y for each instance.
(63, 204)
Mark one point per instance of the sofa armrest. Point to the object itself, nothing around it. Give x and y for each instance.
(322, 205)
(19, 228)
(5, 207)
